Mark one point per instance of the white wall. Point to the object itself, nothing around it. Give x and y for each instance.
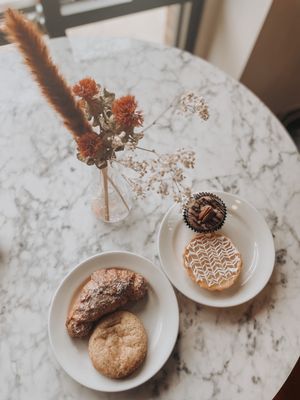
(148, 25)
(228, 32)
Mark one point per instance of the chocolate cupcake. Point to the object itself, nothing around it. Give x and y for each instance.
(204, 212)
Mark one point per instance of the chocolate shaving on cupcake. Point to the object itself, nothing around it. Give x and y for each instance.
(204, 212)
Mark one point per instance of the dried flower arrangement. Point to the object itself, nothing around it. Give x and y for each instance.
(103, 125)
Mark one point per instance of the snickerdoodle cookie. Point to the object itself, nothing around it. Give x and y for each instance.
(118, 345)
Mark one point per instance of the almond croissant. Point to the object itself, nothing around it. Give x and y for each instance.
(106, 291)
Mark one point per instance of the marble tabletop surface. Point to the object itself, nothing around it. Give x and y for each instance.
(245, 352)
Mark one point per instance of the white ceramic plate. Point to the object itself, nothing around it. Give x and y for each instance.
(250, 234)
(158, 312)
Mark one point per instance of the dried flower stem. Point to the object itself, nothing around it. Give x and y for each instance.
(127, 180)
(118, 191)
(105, 187)
(161, 114)
(144, 149)
(30, 42)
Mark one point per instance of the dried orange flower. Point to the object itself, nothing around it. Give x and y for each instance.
(125, 112)
(89, 145)
(86, 88)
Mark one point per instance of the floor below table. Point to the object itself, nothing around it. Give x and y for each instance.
(291, 388)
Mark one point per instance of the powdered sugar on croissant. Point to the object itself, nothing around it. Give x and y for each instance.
(105, 292)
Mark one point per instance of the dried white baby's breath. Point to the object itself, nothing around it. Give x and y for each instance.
(191, 103)
(162, 174)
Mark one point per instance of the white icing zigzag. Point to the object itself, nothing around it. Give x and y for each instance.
(212, 259)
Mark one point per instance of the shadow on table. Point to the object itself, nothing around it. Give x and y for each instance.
(246, 313)
(265, 301)
(157, 385)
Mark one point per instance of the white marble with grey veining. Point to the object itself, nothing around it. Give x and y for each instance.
(47, 227)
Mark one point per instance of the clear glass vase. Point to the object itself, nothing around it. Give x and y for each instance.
(111, 194)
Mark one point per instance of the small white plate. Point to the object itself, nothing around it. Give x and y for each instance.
(248, 231)
(158, 312)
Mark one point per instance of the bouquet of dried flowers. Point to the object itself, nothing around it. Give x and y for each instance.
(114, 119)
(103, 125)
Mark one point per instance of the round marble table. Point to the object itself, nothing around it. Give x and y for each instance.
(47, 227)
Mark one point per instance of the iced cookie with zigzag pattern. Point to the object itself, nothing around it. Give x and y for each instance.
(212, 261)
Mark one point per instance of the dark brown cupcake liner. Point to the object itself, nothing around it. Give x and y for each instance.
(186, 213)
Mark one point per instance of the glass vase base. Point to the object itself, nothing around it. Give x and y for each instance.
(113, 216)
(111, 198)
